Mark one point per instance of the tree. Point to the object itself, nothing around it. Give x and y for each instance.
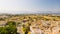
(11, 23)
(11, 29)
(26, 28)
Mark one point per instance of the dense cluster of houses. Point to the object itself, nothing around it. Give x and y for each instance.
(48, 27)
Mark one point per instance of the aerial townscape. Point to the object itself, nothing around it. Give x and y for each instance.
(29, 24)
(29, 16)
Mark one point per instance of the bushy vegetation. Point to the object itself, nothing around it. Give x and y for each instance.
(10, 28)
(26, 28)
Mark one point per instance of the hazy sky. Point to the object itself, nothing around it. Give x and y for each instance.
(29, 5)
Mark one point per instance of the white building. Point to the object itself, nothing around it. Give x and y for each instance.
(3, 23)
(56, 30)
(35, 30)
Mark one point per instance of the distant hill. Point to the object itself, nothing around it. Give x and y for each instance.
(29, 12)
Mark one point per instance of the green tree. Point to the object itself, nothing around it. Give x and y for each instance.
(11, 29)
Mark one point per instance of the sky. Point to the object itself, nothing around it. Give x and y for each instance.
(20, 6)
